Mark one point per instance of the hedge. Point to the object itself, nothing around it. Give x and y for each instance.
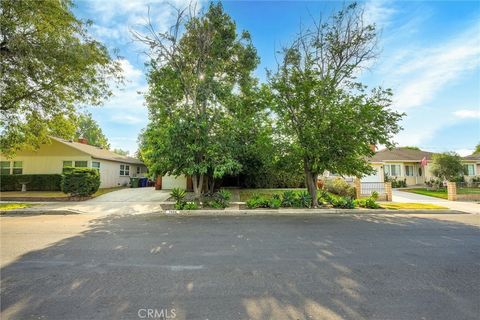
(35, 182)
(81, 182)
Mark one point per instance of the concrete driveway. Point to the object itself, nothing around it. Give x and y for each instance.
(469, 207)
(327, 267)
(124, 201)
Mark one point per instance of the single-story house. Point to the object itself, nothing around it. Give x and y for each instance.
(115, 170)
(406, 164)
(402, 164)
(471, 164)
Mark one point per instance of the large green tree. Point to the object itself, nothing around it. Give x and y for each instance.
(48, 65)
(477, 148)
(88, 128)
(331, 119)
(199, 73)
(447, 166)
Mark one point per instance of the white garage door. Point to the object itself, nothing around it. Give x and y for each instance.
(170, 182)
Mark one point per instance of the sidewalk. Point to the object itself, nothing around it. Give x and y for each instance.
(464, 206)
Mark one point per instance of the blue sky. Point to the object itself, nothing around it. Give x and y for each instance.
(430, 57)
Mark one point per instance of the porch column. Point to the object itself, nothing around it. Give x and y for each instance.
(452, 191)
(388, 191)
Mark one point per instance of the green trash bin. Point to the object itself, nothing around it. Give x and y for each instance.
(134, 182)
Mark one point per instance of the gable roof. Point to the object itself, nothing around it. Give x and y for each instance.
(98, 153)
(401, 154)
(474, 156)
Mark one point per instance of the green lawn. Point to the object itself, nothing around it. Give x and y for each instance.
(468, 190)
(431, 193)
(14, 206)
(410, 206)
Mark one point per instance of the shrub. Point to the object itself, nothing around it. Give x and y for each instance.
(288, 199)
(304, 200)
(190, 206)
(343, 203)
(262, 202)
(81, 182)
(374, 195)
(274, 203)
(178, 194)
(35, 182)
(369, 203)
(340, 187)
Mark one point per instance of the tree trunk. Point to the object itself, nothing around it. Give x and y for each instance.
(211, 186)
(311, 182)
(197, 180)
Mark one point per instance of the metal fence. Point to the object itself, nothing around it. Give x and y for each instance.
(468, 187)
(366, 188)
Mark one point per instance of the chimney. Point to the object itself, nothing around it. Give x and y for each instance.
(83, 140)
(373, 147)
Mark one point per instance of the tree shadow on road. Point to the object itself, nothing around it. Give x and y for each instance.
(325, 267)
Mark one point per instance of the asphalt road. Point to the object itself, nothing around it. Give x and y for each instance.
(323, 267)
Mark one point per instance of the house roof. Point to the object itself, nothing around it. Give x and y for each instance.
(474, 157)
(401, 154)
(98, 153)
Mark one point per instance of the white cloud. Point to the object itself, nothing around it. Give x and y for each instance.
(128, 119)
(467, 114)
(379, 12)
(420, 76)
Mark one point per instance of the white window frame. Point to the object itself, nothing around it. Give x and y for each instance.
(15, 166)
(124, 170)
(466, 166)
(388, 171)
(86, 165)
(409, 170)
(9, 168)
(138, 170)
(94, 165)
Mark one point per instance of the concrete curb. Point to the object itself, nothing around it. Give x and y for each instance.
(249, 212)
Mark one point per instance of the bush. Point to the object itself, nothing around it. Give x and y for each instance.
(340, 187)
(369, 203)
(304, 200)
(288, 199)
(35, 182)
(178, 194)
(81, 182)
(263, 202)
(190, 206)
(219, 200)
(343, 203)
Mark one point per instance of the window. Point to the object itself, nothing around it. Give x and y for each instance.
(124, 170)
(66, 166)
(5, 167)
(469, 169)
(138, 170)
(409, 171)
(96, 165)
(392, 170)
(419, 172)
(17, 167)
(81, 164)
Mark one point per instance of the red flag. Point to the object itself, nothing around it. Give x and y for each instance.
(423, 163)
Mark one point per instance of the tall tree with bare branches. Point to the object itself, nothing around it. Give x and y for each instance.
(198, 71)
(331, 118)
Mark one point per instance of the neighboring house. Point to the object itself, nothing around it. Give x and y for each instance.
(115, 170)
(471, 164)
(402, 164)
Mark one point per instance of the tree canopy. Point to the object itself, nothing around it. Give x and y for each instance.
(48, 66)
(88, 128)
(330, 118)
(199, 78)
(447, 166)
